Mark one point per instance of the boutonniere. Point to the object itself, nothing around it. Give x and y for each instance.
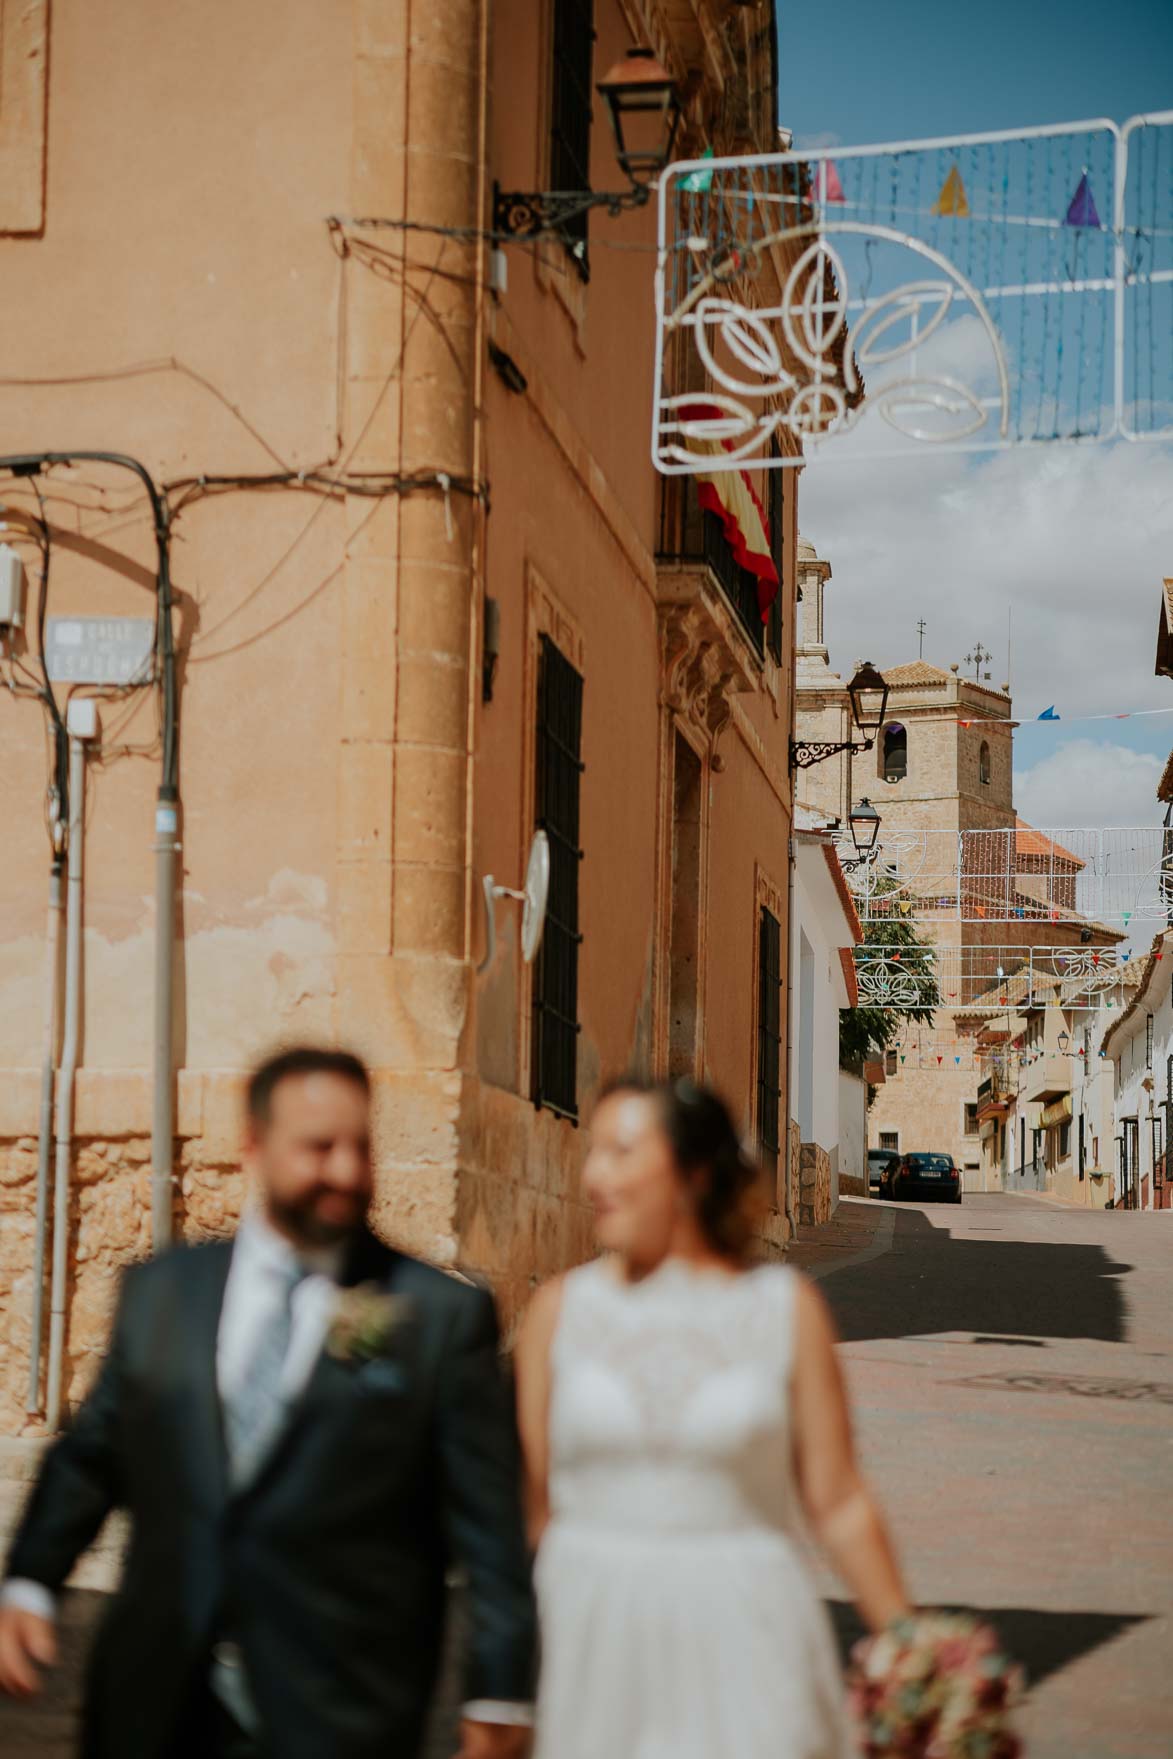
(366, 1319)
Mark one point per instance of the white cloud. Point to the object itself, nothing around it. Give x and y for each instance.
(1073, 540)
(1089, 782)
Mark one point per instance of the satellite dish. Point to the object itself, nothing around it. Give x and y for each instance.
(533, 900)
(537, 896)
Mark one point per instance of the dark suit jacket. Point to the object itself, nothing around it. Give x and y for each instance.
(329, 1567)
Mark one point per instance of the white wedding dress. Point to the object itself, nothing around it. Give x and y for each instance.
(678, 1618)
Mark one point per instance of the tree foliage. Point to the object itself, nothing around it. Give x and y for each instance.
(869, 1031)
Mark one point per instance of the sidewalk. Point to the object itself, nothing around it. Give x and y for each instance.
(860, 1229)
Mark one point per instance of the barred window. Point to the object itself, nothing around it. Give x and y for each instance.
(769, 1033)
(557, 792)
(570, 113)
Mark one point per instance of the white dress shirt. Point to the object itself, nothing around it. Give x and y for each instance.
(253, 1293)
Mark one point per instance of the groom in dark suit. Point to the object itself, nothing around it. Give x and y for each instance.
(307, 1428)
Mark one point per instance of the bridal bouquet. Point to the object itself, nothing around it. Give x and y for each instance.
(935, 1686)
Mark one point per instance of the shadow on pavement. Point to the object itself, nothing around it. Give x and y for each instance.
(1043, 1643)
(1006, 1290)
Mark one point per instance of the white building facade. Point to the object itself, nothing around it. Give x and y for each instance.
(1140, 1048)
(825, 932)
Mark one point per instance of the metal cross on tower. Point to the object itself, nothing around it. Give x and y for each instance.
(920, 629)
(977, 660)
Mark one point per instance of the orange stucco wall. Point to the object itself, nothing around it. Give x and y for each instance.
(344, 788)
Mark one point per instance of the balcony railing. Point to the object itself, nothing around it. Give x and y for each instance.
(689, 535)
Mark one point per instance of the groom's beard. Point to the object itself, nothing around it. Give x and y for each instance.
(324, 1217)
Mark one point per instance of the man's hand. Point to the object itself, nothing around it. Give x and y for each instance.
(27, 1643)
(493, 1740)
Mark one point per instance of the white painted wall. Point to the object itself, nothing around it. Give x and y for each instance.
(820, 928)
(853, 1127)
(1139, 1086)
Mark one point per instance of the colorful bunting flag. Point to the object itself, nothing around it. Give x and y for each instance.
(1049, 714)
(696, 181)
(1081, 210)
(828, 184)
(952, 201)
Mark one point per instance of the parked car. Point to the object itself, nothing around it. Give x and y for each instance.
(923, 1176)
(879, 1160)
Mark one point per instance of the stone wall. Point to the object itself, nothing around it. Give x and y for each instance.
(814, 1205)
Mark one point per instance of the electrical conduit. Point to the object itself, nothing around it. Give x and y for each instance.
(71, 1041)
(45, 1128)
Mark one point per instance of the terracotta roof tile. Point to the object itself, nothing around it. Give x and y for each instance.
(920, 675)
(1028, 841)
(916, 672)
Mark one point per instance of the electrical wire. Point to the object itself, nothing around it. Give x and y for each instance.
(202, 659)
(139, 369)
(530, 243)
(330, 484)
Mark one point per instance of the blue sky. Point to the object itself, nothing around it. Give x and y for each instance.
(902, 70)
(1086, 534)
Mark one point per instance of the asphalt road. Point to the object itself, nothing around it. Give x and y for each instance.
(1011, 1363)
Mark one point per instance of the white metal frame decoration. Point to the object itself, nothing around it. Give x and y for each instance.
(959, 292)
(993, 979)
(1117, 874)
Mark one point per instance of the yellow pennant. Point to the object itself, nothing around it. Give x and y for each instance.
(952, 199)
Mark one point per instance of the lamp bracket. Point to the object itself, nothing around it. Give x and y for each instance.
(544, 212)
(805, 752)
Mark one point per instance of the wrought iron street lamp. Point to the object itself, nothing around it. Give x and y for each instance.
(864, 821)
(1063, 1040)
(644, 108)
(868, 695)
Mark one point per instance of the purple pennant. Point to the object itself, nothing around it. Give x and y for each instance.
(1082, 208)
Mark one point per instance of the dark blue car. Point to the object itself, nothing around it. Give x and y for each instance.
(920, 1176)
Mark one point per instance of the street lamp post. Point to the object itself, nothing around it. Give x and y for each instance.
(864, 822)
(644, 108)
(868, 695)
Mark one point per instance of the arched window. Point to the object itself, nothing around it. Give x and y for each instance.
(984, 764)
(894, 756)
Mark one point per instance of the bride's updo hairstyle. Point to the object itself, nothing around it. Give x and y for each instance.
(708, 1154)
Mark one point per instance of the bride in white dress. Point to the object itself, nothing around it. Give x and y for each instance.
(684, 1420)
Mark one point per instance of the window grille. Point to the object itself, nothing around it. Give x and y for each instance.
(769, 1032)
(570, 114)
(557, 798)
(1148, 1042)
(890, 1139)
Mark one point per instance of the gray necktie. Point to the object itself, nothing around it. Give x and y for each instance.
(252, 1419)
(254, 1413)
